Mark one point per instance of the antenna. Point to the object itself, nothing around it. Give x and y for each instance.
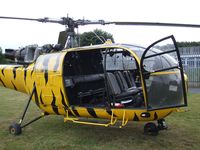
(103, 41)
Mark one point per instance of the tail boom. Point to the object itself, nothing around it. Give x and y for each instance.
(13, 77)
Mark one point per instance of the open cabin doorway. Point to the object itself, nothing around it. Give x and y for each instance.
(103, 77)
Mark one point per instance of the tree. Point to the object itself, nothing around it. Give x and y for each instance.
(92, 37)
(188, 44)
(2, 58)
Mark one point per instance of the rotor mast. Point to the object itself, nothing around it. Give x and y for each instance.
(69, 39)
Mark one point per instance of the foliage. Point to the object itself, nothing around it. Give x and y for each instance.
(89, 38)
(188, 44)
(2, 58)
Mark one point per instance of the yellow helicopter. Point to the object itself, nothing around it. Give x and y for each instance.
(112, 82)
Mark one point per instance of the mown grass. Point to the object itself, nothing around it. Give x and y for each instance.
(51, 133)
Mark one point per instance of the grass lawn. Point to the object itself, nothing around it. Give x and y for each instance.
(51, 133)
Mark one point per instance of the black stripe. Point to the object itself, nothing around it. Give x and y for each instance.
(25, 74)
(55, 68)
(110, 113)
(32, 72)
(155, 116)
(46, 113)
(41, 100)
(2, 82)
(46, 76)
(53, 104)
(75, 111)
(36, 97)
(135, 118)
(63, 99)
(45, 67)
(14, 72)
(70, 113)
(14, 86)
(34, 84)
(2, 71)
(92, 112)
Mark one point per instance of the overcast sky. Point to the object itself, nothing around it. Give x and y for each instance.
(14, 34)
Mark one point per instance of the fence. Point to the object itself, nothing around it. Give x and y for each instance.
(190, 57)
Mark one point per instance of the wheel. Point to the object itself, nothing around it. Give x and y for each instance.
(15, 129)
(151, 129)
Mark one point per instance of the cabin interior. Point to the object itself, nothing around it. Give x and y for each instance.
(102, 77)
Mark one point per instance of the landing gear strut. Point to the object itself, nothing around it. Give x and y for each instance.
(16, 128)
(151, 128)
(162, 124)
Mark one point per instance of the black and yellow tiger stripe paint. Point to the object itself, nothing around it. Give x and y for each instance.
(130, 114)
(46, 75)
(11, 76)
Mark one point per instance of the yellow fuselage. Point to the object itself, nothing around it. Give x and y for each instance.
(50, 96)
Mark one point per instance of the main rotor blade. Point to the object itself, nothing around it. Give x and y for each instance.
(44, 20)
(155, 24)
(75, 23)
(18, 18)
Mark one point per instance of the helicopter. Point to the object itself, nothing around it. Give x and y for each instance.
(109, 82)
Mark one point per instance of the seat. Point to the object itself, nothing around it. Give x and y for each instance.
(113, 84)
(88, 78)
(123, 83)
(86, 85)
(129, 79)
(115, 90)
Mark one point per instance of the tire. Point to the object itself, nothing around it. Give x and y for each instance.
(151, 129)
(15, 129)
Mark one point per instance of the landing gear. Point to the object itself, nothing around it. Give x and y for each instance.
(16, 128)
(151, 128)
(162, 124)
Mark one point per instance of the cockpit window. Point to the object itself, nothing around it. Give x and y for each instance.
(159, 62)
(118, 59)
(152, 64)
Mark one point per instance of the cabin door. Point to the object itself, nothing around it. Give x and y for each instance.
(162, 75)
